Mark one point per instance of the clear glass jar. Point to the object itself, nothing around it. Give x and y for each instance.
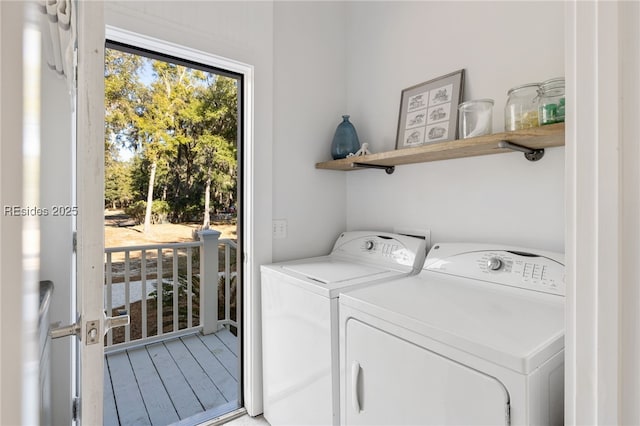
(551, 105)
(475, 118)
(521, 110)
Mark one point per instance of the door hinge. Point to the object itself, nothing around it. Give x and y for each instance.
(75, 67)
(75, 409)
(75, 241)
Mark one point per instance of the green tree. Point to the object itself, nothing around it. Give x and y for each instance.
(161, 128)
(182, 125)
(122, 98)
(118, 191)
(217, 147)
(122, 101)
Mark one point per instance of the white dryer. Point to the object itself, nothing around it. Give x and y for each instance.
(300, 320)
(477, 338)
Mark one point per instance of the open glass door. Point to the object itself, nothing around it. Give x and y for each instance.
(89, 186)
(68, 28)
(91, 323)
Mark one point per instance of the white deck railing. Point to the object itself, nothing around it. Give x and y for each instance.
(193, 279)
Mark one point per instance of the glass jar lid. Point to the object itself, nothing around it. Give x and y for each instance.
(475, 102)
(524, 86)
(552, 83)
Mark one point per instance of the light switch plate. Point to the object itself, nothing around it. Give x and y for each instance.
(279, 229)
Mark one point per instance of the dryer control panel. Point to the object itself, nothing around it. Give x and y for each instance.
(513, 266)
(385, 249)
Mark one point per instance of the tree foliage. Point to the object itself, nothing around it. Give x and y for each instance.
(117, 189)
(180, 125)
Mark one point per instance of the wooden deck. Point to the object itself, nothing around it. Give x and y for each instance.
(170, 381)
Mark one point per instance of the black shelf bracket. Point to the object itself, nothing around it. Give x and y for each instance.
(529, 154)
(388, 169)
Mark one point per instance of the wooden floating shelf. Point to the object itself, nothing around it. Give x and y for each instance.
(537, 138)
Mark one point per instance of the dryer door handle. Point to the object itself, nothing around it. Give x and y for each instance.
(355, 378)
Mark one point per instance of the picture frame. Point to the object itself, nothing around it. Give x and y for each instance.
(429, 111)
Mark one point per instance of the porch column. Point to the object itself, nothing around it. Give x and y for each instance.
(209, 281)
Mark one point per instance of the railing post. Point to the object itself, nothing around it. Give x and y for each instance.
(209, 281)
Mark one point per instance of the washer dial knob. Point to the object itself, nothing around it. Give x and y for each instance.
(494, 263)
(369, 245)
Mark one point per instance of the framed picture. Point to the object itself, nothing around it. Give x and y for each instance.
(429, 111)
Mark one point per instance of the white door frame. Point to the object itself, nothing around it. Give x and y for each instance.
(602, 379)
(251, 371)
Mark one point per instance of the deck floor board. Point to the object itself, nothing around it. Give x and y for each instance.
(203, 387)
(214, 368)
(170, 381)
(181, 394)
(229, 340)
(222, 352)
(110, 412)
(126, 391)
(154, 394)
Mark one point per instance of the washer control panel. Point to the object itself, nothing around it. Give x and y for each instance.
(382, 248)
(513, 266)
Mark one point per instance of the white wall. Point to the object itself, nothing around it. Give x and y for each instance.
(11, 275)
(309, 98)
(56, 232)
(502, 198)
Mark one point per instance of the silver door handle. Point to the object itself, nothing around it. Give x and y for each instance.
(57, 331)
(92, 328)
(75, 329)
(113, 322)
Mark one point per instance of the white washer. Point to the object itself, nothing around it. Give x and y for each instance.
(300, 320)
(476, 338)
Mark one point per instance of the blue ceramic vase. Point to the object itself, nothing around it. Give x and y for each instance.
(345, 140)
